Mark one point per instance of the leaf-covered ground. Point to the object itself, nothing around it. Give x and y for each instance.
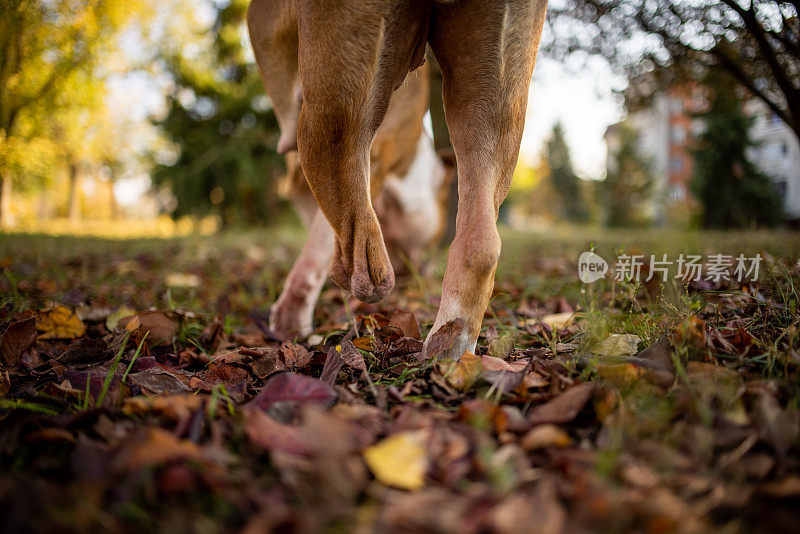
(140, 389)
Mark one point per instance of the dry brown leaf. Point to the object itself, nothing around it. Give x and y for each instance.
(407, 322)
(160, 327)
(153, 446)
(176, 407)
(463, 373)
(563, 408)
(543, 436)
(18, 337)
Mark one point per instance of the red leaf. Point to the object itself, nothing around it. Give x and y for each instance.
(296, 388)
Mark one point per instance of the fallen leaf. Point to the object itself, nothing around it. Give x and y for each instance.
(399, 460)
(182, 280)
(364, 343)
(351, 356)
(462, 373)
(84, 350)
(504, 376)
(113, 318)
(537, 511)
(176, 407)
(440, 343)
(780, 428)
(693, 332)
(502, 347)
(153, 446)
(543, 436)
(623, 374)
(271, 435)
(157, 381)
(18, 337)
(160, 327)
(558, 320)
(59, 323)
(291, 387)
(407, 322)
(294, 356)
(484, 414)
(404, 346)
(333, 363)
(618, 345)
(563, 408)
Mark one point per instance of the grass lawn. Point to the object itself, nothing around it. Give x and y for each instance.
(140, 389)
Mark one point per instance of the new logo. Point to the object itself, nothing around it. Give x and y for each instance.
(591, 267)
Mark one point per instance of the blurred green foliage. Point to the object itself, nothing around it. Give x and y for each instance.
(628, 186)
(732, 193)
(564, 180)
(222, 127)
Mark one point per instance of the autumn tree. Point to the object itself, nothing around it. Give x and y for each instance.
(222, 128)
(757, 42)
(47, 51)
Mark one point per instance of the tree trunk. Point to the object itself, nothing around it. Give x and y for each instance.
(112, 202)
(5, 201)
(73, 205)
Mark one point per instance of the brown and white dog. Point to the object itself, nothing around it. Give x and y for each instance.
(336, 71)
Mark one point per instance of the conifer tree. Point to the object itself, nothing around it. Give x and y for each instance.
(223, 128)
(564, 180)
(628, 184)
(732, 193)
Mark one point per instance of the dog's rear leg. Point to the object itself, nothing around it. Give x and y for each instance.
(351, 57)
(293, 313)
(486, 50)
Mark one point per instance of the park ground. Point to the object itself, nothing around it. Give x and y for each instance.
(140, 389)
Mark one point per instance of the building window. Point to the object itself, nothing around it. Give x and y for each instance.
(676, 164)
(677, 193)
(780, 189)
(678, 135)
(677, 104)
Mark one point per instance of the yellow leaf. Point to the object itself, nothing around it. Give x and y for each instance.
(114, 318)
(558, 320)
(619, 345)
(59, 323)
(399, 461)
(623, 374)
(463, 373)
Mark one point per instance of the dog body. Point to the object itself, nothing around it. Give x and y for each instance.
(336, 72)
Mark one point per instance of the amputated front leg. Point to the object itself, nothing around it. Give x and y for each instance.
(292, 315)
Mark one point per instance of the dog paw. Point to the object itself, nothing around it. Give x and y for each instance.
(361, 263)
(291, 318)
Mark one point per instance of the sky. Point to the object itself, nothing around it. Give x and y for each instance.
(581, 97)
